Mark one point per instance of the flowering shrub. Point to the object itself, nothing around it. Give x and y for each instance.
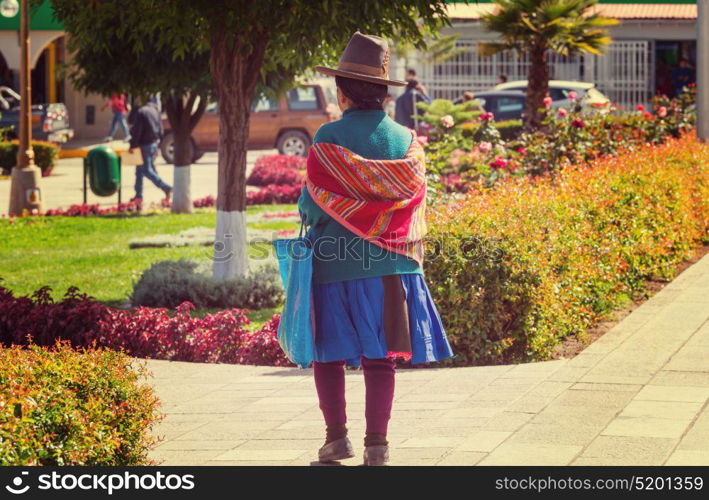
(273, 194)
(153, 333)
(445, 118)
(76, 317)
(207, 201)
(495, 151)
(145, 332)
(264, 175)
(531, 261)
(74, 407)
(85, 210)
(281, 161)
(262, 348)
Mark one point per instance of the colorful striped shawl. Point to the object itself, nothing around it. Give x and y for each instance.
(382, 201)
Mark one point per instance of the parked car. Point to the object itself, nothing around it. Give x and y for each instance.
(287, 123)
(504, 104)
(587, 94)
(50, 122)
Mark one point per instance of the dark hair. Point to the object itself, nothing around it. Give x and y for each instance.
(364, 95)
(412, 84)
(503, 78)
(411, 71)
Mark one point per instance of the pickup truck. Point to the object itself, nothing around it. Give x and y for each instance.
(50, 122)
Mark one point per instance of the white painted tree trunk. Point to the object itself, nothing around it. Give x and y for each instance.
(181, 191)
(230, 249)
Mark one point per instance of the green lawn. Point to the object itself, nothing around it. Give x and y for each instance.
(92, 253)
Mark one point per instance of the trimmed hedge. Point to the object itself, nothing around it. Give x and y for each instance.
(170, 283)
(509, 129)
(523, 265)
(74, 407)
(45, 155)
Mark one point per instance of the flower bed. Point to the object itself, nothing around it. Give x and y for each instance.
(532, 261)
(468, 155)
(277, 169)
(63, 406)
(274, 193)
(144, 332)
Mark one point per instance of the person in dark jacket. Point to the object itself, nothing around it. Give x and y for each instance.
(406, 104)
(146, 133)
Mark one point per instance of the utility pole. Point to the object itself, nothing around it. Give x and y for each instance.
(24, 189)
(703, 70)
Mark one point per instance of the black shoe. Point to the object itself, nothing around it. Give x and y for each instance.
(336, 450)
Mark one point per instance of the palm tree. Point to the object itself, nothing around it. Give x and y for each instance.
(535, 27)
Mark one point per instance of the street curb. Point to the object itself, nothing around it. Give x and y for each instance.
(80, 153)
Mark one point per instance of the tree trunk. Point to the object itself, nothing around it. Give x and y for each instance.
(537, 87)
(235, 73)
(183, 116)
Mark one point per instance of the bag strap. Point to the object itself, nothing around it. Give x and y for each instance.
(302, 228)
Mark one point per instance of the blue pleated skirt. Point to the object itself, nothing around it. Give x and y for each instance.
(349, 321)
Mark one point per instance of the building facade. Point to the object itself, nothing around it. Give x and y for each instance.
(48, 57)
(647, 46)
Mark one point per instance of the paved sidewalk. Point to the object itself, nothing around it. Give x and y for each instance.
(636, 396)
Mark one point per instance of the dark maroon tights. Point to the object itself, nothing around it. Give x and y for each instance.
(379, 387)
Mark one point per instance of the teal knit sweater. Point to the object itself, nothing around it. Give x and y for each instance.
(339, 254)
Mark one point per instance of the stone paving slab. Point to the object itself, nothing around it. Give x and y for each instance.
(639, 395)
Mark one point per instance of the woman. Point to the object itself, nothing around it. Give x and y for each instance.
(364, 200)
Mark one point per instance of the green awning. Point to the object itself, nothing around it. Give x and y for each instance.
(41, 18)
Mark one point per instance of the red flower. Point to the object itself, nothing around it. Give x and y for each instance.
(640, 107)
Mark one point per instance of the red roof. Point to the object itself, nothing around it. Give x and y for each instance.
(618, 11)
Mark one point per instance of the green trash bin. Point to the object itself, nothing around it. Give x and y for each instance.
(103, 167)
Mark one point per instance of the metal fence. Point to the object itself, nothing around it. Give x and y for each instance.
(624, 73)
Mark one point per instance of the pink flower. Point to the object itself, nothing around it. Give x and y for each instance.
(522, 150)
(563, 112)
(499, 162)
(572, 96)
(578, 123)
(422, 139)
(647, 115)
(662, 112)
(485, 147)
(547, 102)
(640, 107)
(487, 116)
(447, 121)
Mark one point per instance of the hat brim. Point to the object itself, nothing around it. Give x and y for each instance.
(358, 76)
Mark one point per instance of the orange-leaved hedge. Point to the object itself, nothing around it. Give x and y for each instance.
(523, 265)
(63, 406)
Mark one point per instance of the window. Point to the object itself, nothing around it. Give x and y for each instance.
(265, 104)
(509, 104)
(558, 94)
(303, 99)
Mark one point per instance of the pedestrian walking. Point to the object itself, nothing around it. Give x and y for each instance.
(406, 104)
(119, 108)
(146, 133)
(364, 201)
